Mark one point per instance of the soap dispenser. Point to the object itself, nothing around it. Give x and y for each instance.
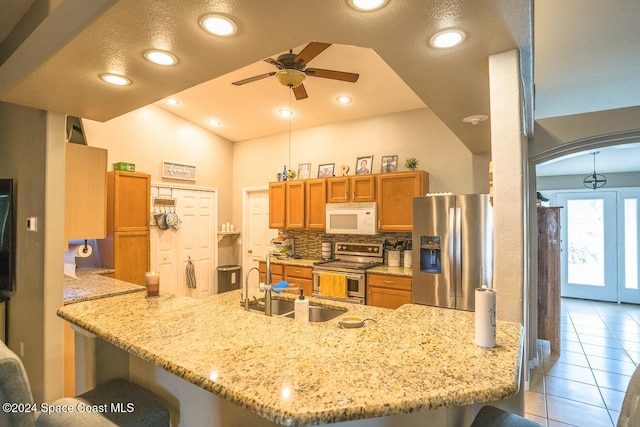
(301, 310)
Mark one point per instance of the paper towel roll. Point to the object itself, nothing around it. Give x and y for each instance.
(77, 251)
(485, 317)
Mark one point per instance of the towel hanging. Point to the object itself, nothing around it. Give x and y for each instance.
(191, 274)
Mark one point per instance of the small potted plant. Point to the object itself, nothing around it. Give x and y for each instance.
(411, 163)
(291, 174)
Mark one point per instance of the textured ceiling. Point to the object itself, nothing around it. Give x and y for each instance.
(56, 68)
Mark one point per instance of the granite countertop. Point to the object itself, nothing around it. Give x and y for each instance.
(412, 359)
(91, 284)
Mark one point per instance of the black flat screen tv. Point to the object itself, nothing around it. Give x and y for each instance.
(7, 236)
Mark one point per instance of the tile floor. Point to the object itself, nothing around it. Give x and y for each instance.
(585, 385)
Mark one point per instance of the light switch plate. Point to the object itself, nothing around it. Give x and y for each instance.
(32, 223)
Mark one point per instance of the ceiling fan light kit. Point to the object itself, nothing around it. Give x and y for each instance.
(290, 77)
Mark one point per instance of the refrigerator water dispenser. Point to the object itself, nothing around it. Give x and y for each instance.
(430, 254)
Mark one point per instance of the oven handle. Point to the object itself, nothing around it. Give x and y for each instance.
(349, 276)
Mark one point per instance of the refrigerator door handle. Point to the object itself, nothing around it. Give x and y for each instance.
(458, 257)
(453, 269)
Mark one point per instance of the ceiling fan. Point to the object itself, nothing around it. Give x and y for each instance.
(292, 70)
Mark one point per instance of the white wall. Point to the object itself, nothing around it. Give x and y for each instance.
(417, 133)
(508, 147)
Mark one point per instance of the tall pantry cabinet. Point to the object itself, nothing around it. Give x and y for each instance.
(126, 248)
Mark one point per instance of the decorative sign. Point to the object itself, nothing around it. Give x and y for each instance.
(178, 171)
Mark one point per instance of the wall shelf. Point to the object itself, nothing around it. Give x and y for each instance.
(233, 234)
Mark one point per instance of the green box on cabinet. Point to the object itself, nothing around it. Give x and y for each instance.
(124, 167)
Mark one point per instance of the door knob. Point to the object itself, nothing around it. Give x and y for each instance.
(250, 251)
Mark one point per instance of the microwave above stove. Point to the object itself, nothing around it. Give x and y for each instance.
(351, 218)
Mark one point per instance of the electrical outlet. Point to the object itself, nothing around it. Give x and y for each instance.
(21, 349)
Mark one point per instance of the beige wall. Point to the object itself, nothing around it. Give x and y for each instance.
(151, 135)
(417, 133)
(32, 153)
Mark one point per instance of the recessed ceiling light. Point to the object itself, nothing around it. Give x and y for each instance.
(285, 112)
(172, 101)
(115, 79)
(367, 5)
(218, 25)
(447, 38)
(343, 99)
(160, 57)
(214, 122)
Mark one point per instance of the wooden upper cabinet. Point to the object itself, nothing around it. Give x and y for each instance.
(358, 188)
(315, 203)
(395, 193)
(128, 201)
(85, 192)
(295, 204)
(277, 199)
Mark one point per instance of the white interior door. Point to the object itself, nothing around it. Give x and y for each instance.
(589, 257)
(628, 246)
(256, 232)
(195, 239)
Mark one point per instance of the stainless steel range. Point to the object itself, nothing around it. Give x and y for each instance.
(345, 276)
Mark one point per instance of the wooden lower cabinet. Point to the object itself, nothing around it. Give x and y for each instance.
(127, 252)
(277, 272)
(301, 276)
(388, 291)
(295, 275)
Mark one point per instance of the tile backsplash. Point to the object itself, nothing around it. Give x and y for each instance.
(308, 243)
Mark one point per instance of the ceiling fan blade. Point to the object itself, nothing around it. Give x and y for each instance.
(254, 78)
(300, 92)
(274, 62)
(310, 51)
(331, 74)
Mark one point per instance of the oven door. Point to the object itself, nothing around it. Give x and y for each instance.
(355, 285)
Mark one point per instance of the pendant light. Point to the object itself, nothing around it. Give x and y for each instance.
(595, 180)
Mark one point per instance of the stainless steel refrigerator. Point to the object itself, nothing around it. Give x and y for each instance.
(452, 249)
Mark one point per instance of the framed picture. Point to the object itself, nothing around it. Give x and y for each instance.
(326, 170)
(303, 170)
(389, 163)
(363, 165)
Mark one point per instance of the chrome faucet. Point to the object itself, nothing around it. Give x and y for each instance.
(246, 287)
(267, 287)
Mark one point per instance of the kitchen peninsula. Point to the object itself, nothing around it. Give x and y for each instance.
(215, 364)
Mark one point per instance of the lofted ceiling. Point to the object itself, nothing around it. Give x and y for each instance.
(57, 66)
(586, 63)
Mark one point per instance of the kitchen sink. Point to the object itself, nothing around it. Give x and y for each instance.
(320, 314)
(285, 308)
(278, 306)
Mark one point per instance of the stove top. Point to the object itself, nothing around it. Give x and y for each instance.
(354, 257)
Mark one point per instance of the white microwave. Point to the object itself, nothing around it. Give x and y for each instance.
(351, 218)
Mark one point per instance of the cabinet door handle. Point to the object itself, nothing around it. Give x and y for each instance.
(391, 282)
(346, 195)
(354, 195)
